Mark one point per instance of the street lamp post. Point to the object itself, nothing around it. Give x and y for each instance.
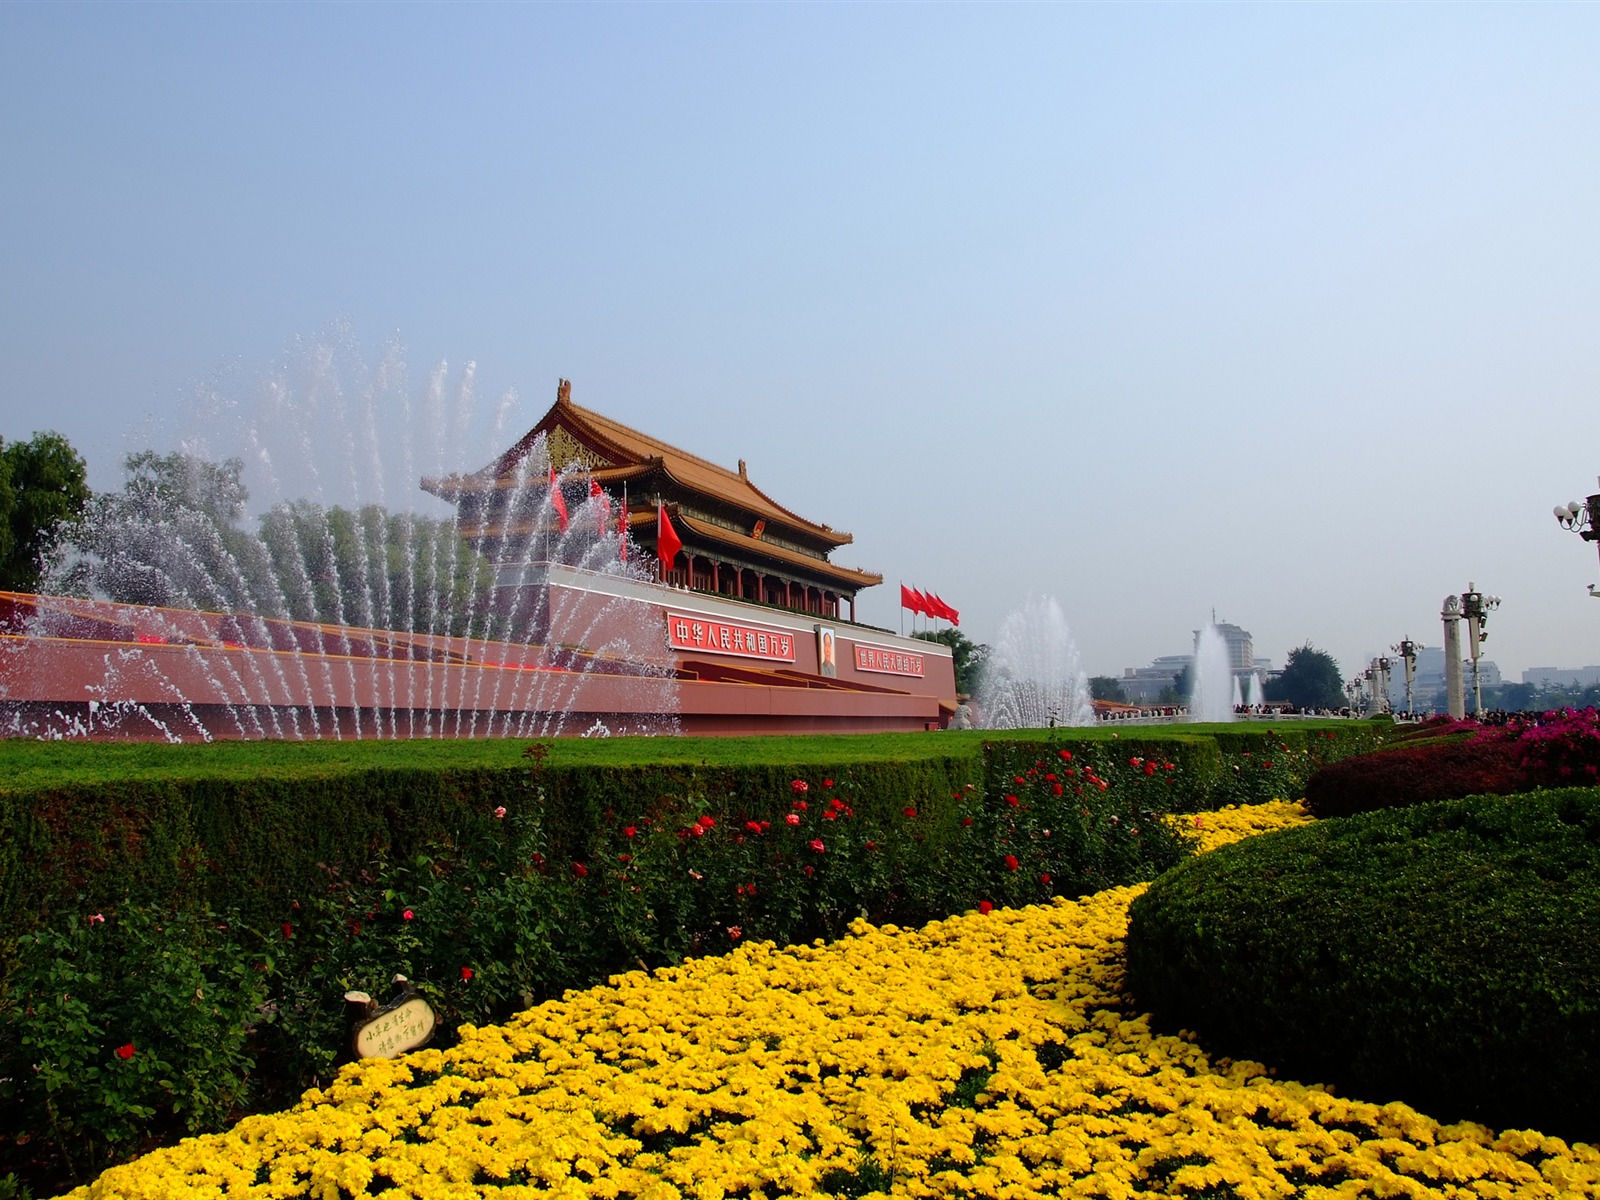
(1476, 607)
(1407, 650)
(1583, 520)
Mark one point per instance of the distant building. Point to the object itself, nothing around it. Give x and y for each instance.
(1562, 677)
(1241, 654)
(1143, 685)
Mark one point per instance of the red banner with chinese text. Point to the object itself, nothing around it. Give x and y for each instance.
(713, 635)
(887, 661)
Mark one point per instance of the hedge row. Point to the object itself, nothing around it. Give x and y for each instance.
(257, 838)
(1441, 954)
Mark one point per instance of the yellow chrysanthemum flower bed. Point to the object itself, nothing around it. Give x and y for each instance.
(987, 1055)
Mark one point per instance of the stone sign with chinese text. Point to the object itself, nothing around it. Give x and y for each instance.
(395, 1029)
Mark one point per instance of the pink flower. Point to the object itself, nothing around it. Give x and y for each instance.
(499, 812)
(408, 914)
(97, 919)
(735, 932)
(792, 819)
(816, 844)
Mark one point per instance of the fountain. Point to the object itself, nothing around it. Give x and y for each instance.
(1254, 697)
(338, 616)
(1213, 689)
(1032, 679)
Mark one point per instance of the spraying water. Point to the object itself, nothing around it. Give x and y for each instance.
(1033, 678)
(293, 517)
(1213, 688)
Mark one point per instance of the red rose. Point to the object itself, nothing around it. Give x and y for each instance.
(707, 822)
(966, 821)
(288, 930)
(827, 783)
(792, 819)
(580, 870)
(629, 830)
(911, 812)
(466, 974)
(800, 785)
(1011, 862)
(985, 907)
(125, 1052)
(408, 914)
(1045, 879)
(1013, 801)
(816, 844)
(1066, 755)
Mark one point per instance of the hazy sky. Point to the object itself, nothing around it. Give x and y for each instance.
(1290, 311)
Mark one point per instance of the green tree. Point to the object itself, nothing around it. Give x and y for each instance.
(43, 495)
(1178, 691)
(966, 655)
(1106, 687)
(1310, 679)
(374, 568)
(171, 536)
(1516, 697)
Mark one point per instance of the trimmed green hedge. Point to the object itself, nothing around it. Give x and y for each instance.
(253, 825)
(1442, 954)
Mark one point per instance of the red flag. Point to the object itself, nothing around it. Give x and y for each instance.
(622, 523)
(668, 543)
(558, 500)
(908, 598)
(945, 611)
(596, 492)
(921, 605)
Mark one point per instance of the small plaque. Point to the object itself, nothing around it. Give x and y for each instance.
(405, 1024)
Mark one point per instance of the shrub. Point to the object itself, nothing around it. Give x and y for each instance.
(121, 1027)
(1417, 774)
(1441, 954)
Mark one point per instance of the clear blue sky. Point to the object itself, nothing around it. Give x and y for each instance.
(1292, 311)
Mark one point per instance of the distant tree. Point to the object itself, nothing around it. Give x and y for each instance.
(171, 536)
(966, 655)
(1517, 697)
(1107, 687)
(43, 495)
(374, 568)
(1310, 679)
(1182, 685)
